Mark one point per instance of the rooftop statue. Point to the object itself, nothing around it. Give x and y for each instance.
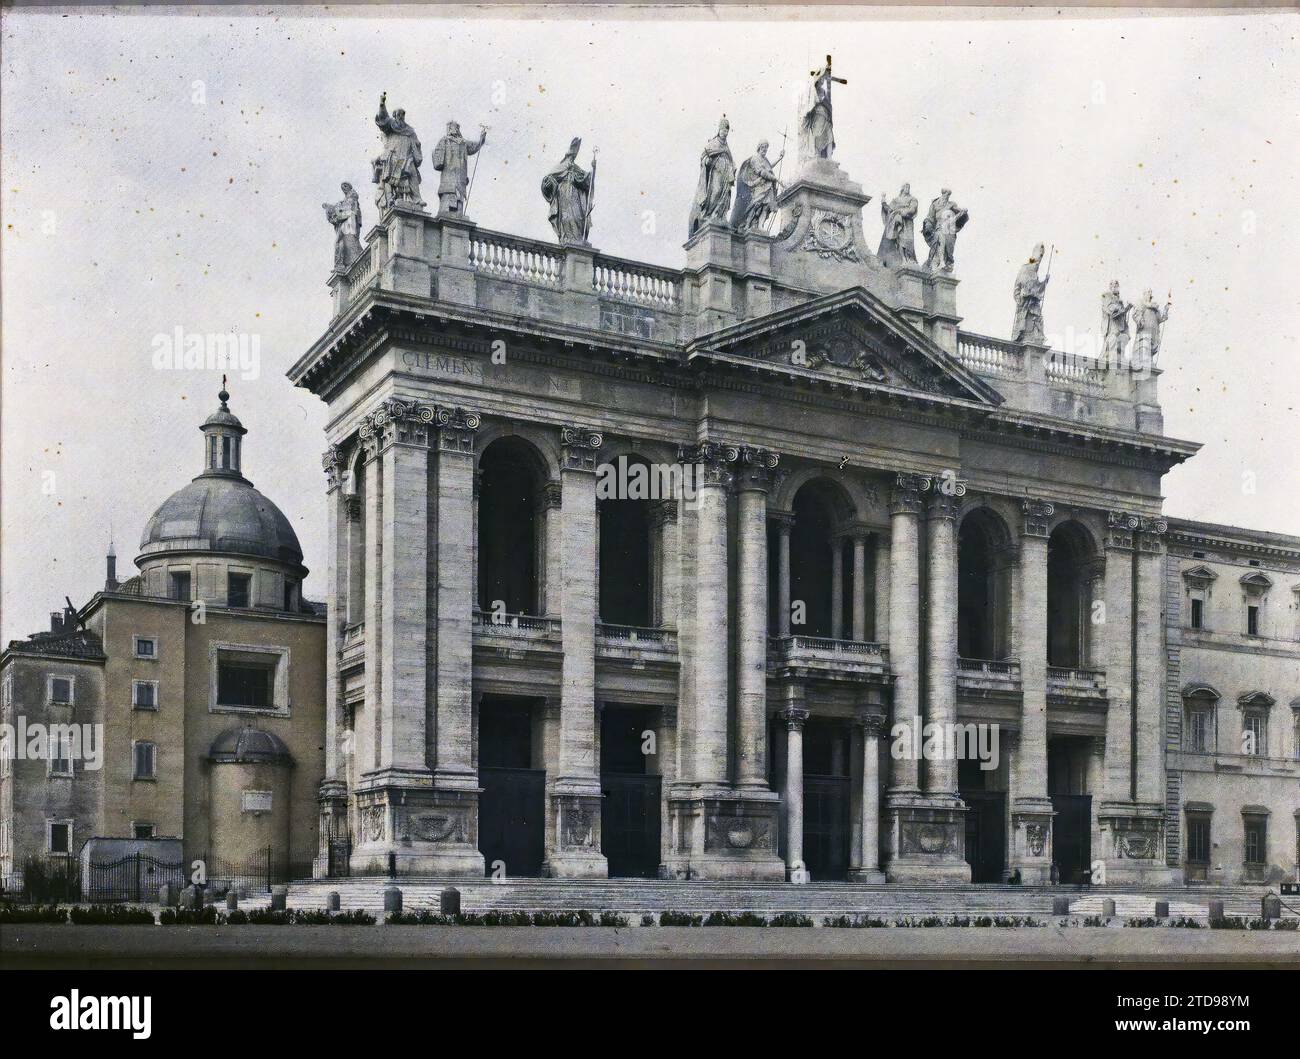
(451, 159)
(1115, 312)
(1028, 293)
(756, 192)
(345, 216)
(569, 190)
(940, 229)
(397, 169)
(1148, 322)
(816, 130)
(717, 175)
(898, 240)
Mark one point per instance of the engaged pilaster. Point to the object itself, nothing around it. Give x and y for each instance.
(753, 479)
(941, 646)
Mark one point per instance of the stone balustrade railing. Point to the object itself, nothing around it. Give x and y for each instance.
(636, 282)
(989, 667)
(636, 636)
(989, 356)
(1092, 679)
(1073, 370)
(518, 259)
(522, 626)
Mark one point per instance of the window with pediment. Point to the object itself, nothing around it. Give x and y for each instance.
(1200, 719)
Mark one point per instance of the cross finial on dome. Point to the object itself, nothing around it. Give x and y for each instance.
(223, 396)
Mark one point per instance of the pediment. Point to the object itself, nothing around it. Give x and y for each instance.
(850, 337)
(1200, 575)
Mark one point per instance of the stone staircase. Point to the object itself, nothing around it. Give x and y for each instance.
(634, 896)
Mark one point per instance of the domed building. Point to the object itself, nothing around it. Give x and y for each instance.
(206, 671)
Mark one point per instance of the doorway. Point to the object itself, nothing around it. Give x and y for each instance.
(631, 792)
(986, 823)
(512, 807)
(826, 799)
(1067, 785)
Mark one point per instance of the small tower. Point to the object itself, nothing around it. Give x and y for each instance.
(222, 435)
(110, 573)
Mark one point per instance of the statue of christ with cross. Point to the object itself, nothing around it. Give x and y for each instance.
(816, 131)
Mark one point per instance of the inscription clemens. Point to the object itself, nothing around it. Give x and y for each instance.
(455, 366)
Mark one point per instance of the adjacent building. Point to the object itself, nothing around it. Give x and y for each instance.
(186, 702)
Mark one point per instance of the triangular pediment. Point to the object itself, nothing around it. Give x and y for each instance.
(850, 337)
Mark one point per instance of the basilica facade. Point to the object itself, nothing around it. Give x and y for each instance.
(888, 604)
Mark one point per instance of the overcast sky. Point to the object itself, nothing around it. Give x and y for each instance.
(164, 171)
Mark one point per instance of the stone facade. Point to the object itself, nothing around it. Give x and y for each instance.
(891, 520)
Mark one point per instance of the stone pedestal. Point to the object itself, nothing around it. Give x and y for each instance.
(425, 830)
(1132, 844)
(1030, 846)
(927, 841)
(574, 849)
(718, 835)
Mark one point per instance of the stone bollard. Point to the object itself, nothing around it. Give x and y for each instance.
(1060, 906)
(1162, 910)
(449, 901)
(1216, 910)
(332, 901)
(193, 897)
(232, 900)
(1108, 908)
(1270, 907)
(392, 899)
(167, 895)
(279, 898)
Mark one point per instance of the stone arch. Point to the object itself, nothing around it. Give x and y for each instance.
(985, 550)
(513, 476)
(1073, 560)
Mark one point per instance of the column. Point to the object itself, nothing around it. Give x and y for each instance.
(1118, 653)
(867, 733)
(837, 587)
(794, 721)
(670, 591)
(552, 522)
(941, 654)
(453, 742)
(1031, 640)
(1030, 841)
(859, 585)
(784, 524)
(752, 484)
(711, 644)
(883, 573)
(1152, 662)
(904, 627)
(574, 843)
(335, 598)
(368, 732)
(474, 593)
(403, 605)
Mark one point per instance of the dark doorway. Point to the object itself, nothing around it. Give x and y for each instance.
(826, 800)
(986, 823)
(810, 562)
(631, 805)
(1067, 784)
(509, 484)
(625, 554)
(1069, 550)
(511, 816)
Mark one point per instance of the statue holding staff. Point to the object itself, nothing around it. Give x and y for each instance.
(1028, 293)
(817, 129)
(451, 159)
(1114, 310)
(569, 191)
(756, 192)
(717, 175)
(345, 216)
(1148, 324)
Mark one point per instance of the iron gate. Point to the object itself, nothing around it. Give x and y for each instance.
(511, 819)
(135, 877)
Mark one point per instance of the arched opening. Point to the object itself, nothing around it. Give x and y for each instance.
(511, 477)
(818, 508)
(626, 593)
(1069, 554)
(983, 587)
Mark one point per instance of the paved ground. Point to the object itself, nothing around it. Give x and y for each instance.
(510, 947)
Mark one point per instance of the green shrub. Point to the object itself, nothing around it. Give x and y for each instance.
(790, 919)
(734, 919)
(851, 922)
(1142, 922)
(184, 917)
(679, 919)
(112, 916)
(1286, 924)
(12, 914)
(1228, 923)
(1186, 922)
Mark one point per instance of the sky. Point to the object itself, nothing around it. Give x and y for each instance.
(166, 170)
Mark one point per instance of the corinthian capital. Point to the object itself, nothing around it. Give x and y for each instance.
(456, 428)
(754, 469)
(1036, 516)
(578, 445)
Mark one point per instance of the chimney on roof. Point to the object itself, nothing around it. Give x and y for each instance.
(110, 579)
(56, 621)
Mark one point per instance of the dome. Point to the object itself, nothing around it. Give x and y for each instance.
(216, 513)
(246, 745)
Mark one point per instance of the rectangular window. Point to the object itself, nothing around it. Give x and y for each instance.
(212, 451)
(61, 691)
(1252, 621)
(225, 453)
(237, 589)
(1256, 840)
(145, 761)
(181, 585)
(61, 757)
(1254, 728)
(144, 694)
(1198, 614)
(143, 830)
(245, 684)
(1198, 839)
(289, 587)
(1198, 731)
(145, 647)
(59, 837)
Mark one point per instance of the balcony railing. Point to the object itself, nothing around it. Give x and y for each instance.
(989, 356)
(1076, 680)
(510, 257)
(636, 637)
(989, 667)
(516, 626)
